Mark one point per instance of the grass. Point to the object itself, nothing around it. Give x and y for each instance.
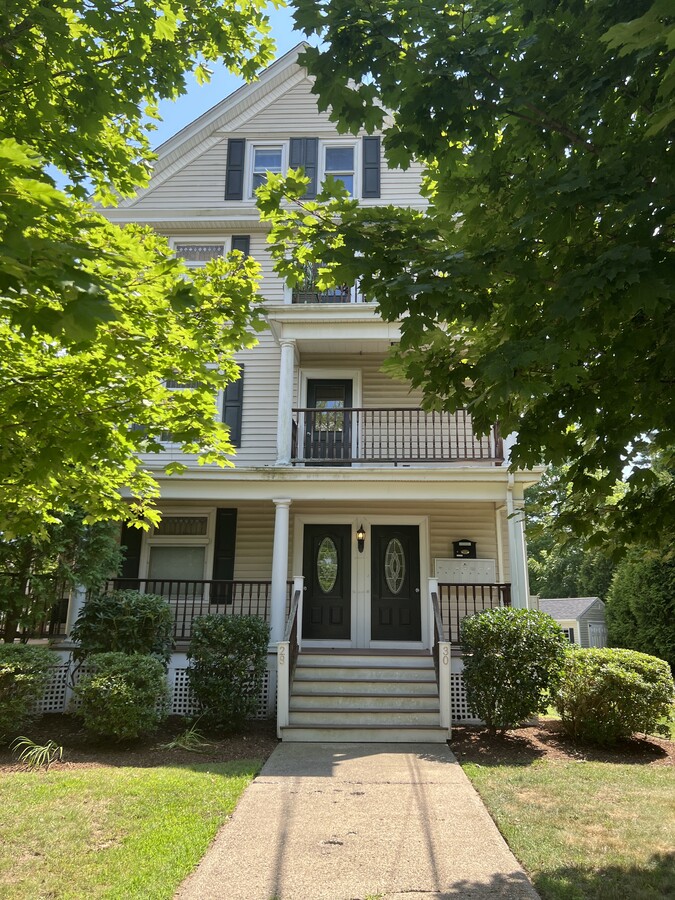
(586, 830)
(111, 832)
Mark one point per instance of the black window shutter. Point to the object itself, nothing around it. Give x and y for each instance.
(131, 541)
(371, 167)
(223, 554)
(242, 242)
(233, 401)
(234, 171)
(304, 153)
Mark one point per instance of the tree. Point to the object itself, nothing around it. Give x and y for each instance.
(641, 606)
(36, 572)
(97, 323)
(537, 288)
(559, 564)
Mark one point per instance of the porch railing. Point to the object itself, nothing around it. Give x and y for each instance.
(457, 601)
(389, 435)
(440, 652)
(189, 599)
(41, 605)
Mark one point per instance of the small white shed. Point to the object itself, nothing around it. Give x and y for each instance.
(581, 618)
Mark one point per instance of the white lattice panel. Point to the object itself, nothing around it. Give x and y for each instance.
(459, 708)
(56, 692)
(182, 701)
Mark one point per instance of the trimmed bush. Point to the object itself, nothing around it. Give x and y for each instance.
(513, 665)
(24, 673)
(125, 697)
(125, 622)
(608, 694)
(228, 658)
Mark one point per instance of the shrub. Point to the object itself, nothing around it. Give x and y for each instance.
(514, 661)
(125, 622)
(24, 673)
(124, 697)
(228, 656)
(607, 694)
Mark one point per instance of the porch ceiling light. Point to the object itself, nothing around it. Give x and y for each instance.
(361, 538)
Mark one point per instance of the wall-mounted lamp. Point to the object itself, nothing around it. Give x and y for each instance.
(360, 538)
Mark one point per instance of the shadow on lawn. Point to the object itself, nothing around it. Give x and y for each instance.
(653, 881)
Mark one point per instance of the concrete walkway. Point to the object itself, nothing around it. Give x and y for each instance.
(359, 822)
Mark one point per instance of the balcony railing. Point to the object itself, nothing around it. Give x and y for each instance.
(457, 601)
(389, 435)
(189, 599)
(341, 294)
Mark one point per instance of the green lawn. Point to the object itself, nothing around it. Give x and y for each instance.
(111, 832)
(586, 830)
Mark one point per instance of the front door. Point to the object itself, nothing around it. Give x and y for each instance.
(327, 568)
(395, 583)
(328, 432)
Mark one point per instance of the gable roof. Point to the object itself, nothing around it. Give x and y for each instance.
(229, 113)
(567, 607)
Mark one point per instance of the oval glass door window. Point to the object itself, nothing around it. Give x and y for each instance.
(327, 565)
(394, 565)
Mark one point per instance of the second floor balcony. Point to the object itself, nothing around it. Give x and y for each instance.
(389, 436)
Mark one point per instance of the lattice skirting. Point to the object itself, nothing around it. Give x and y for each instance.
(459, 708)
(58, 695)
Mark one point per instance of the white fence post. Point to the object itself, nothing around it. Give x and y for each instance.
(444, 667)
(283, 684)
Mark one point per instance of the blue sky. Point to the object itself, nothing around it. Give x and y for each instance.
(177, 114)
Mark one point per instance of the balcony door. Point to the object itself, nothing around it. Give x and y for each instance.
(328, 428)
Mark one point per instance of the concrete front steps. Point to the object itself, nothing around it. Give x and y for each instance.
(364, 696)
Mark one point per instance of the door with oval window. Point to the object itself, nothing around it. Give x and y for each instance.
(395, 583)
(326, 613)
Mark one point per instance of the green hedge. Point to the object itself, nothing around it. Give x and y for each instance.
(24, 673)
(228, 658)
(512, 663)
(125, 622)
(608, 694)
(125, 696)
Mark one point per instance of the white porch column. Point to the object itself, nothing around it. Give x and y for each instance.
(77, 600)
(284, 415)
(279, 569)
(520, 588)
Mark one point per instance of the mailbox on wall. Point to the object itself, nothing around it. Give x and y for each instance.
(464, 549)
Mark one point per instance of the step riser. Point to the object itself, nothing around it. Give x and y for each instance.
(373, 718)
(347, 701)
(365, 659)
(385, 688)
(361, 673)
(365, 735)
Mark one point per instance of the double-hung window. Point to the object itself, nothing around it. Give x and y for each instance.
(339, 162)
(265, 159)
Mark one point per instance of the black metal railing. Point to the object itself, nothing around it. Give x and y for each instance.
(438, 633)
(457, 601)
(33, 608)
(389, 435)
(291, 635)
(340, 294)
(192, 598)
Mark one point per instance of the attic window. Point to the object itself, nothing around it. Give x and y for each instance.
(265, 160)
(199, 253)
(340, 164)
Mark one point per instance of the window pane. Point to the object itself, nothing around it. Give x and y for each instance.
(267, 160)
(199, 252)
(347, 180)
(184, 563)
(339, 159)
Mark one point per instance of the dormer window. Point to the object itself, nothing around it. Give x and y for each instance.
(339, 162)
(265, 160)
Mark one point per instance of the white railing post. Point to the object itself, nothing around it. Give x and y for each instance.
(279, 569)
(77, 599)
(283, 685)
(444, 667)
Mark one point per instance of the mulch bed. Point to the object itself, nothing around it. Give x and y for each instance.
(82, 751)
(523, 746)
